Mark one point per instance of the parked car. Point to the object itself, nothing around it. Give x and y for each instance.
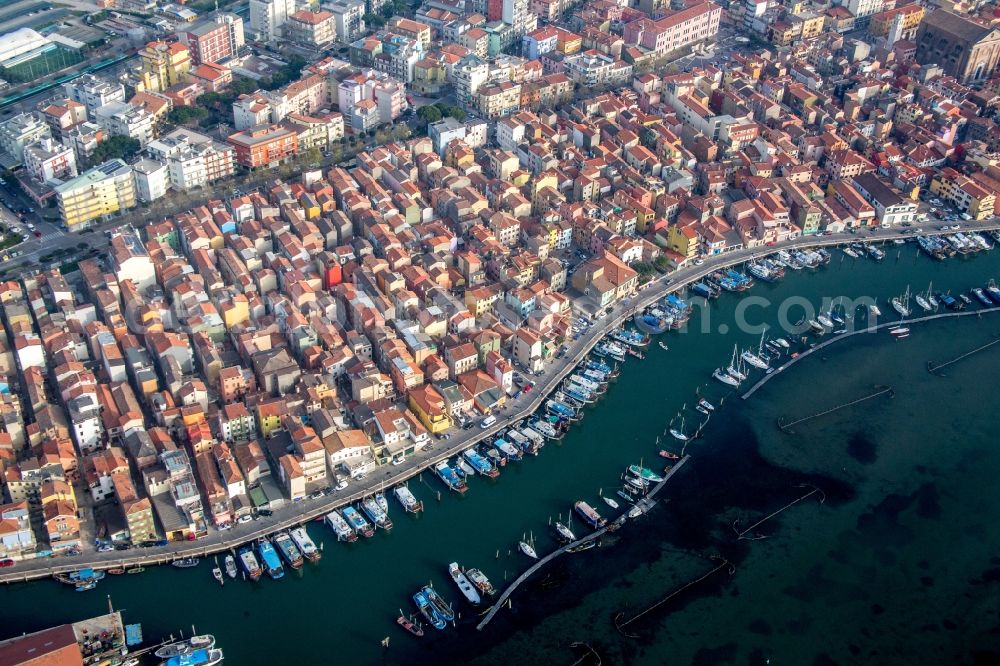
(6, 563)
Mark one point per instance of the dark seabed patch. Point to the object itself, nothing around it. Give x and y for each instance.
(724, 654)
(759, 626)
(862, 449)
(928, 502)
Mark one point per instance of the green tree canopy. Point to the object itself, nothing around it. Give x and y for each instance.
(429, 114)
(117, 146)
(182, 115)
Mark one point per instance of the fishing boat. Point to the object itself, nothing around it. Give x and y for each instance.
(288, 550)
(463, 468)
(340, 527)
(480, 464)
(186, 646)
(644, 473)
(230, 564)
(270, 559)
(725, 377)
(249, 562)
(950, 301)
(306, 545)
(982, 297)
(375, 513)
(450, 477)
(467, 589)
(875, 253)
(408, 499)
(185, 562)
(428, 611)
(565, 533)
(706, 404)
(196, 658)
(993, 291)
(217, 575)
(442, 608)
(678, 433)
(382, 502)
(527, 549)
(590, 515)
(482, 583)
(509, 450)
(357, 522)
(83, 580)
(408, 624)
(668, 455)
(610, 502)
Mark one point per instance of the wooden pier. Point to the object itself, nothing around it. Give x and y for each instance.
(871, 329)
(570, 546)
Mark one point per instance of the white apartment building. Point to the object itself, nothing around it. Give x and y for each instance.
(347, 18)
(94, 92)
(123, 119)
(48, 160)
(468, 76)
(151, 180)
(192, 159)
(268, 16)
(20, 131)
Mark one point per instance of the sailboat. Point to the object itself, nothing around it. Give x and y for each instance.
(922, 301)
(901, 304)
(754, 359)
(528, 548)
(735, 368)
(931, 298)
(725, 377)
(873, 309)
(678, 433)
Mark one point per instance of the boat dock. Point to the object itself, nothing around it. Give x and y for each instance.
(570, 546)
(890, 324)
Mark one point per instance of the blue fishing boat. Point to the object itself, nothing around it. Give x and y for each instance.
(601, 366)
(950, 301)
(556, 407)
(357, 522)
(651, 324)
(428, 611)
(993, 292)
(982, 297)
(630, 337)
(508, 450)
(703, 290)
(450, 476)
(439, 604)
(269, 556)
(480, 464)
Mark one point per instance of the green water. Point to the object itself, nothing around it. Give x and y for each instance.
(899, 560)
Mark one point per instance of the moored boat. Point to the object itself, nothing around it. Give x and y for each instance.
(357, 522)
(408, 499)
(340, 527)
(482, 583)
(288, 550)
(725, 377)
(589, 515)
(305, 544)
(410, 625)
(439, 604)
(249, 563)
(527, 549)
(467, 589)
(450, 477)
(668, 455)
(610, 502)
(565, 533)
(644, 473)
(269, 557)
(428, 611)
(185, 562)
(186, 646)
(374, 511)
(230, 564)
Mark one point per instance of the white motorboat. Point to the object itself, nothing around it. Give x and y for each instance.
(230, 564)
(610, 502)
(467, 589)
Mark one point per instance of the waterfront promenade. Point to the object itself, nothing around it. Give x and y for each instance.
(299, 512)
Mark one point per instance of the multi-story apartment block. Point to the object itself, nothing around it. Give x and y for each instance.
(964, 193)
(264, 145)
(215, 40)
(19, 131)
(94, 92)
(104, 190)
(193, 159)
(348, 18)
(468, 75)
(676, 30)
(313, 29)
(165, 64)
(49, 160)
(123, 119)
(268, 16)
(592, 68)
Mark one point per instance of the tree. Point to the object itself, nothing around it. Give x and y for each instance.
(183, 115)
(429, 114)
(661, 263)
(117, 146)
(374, 20)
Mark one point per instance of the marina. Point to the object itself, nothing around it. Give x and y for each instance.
(647, 447)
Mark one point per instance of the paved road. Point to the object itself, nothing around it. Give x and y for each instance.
(299, 512)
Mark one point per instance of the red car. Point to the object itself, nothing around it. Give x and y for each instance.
(6, 563)
(38, 234)
(770, 243)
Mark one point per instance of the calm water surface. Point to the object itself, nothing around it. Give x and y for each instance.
(898, 564)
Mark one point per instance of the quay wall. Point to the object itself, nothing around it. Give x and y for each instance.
(293, 514)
